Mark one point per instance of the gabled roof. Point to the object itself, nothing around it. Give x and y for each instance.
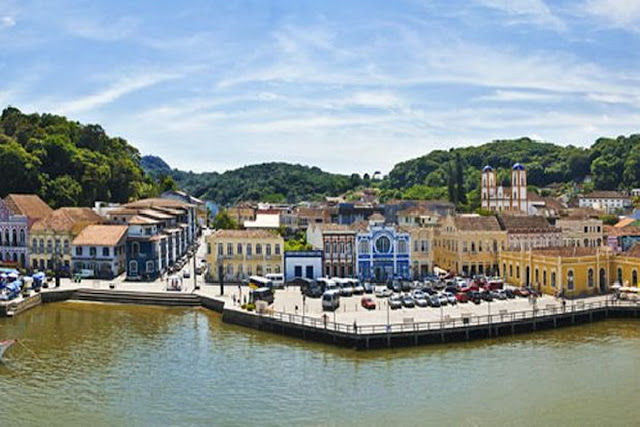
(523, 223)
(476, 223)
(634, 251)
(140, 220)
(29, 205)
(603, 195)
(100, 235)
(66, 219)
(157, 202)
(250, 234)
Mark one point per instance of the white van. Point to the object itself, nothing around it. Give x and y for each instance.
(277, 279)
(331, 300)
(327, 284)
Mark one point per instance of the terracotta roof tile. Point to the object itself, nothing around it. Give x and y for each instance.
(523, 222)
(604, 195)
(476, 223)
(248, 234)
(29, 205)
(66, 219)
(101, 235)
(157, 202)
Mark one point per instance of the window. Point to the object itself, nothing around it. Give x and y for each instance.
(259, 270)
(229, 249)
(150, 267)
(537, 275)
(49, 246)
(22, 238)
(402, 246)
(383, 245)
(78, 250)
(267, 249)
(570, 280)
(510, 270)
(553, 279)
(297, 271)
(309, 272)
(335, 247)
(41, 246)
(634, 278)
(92, 251)
(517, 271)
(590, 278)
(239, 249)
(34, 246)
(277, 269)
(258, 249)
(135, 249)
(619, 275)
(544, 277)
(473, 247)
(277, 248)
(220, 249)
(66, 246)
(105, 252)
(327, 248)
(248, 249)
(363, 247)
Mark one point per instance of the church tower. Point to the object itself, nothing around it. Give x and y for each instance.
(519, 199)
(488, 189)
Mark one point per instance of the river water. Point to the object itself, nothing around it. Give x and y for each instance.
(95, 364)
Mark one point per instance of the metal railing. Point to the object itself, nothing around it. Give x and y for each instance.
(449, 323)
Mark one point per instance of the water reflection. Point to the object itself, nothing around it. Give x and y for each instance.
(110, 364)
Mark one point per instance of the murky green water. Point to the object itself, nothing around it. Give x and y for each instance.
(124, 365)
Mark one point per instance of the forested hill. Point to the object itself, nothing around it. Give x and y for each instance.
(268, 182)
(67, 163)
(612, 163)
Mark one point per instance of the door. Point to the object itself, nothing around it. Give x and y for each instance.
(603, 281)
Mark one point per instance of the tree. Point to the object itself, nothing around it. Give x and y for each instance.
(166, 183)
(223, 221)
(63, 191)
(609, 219)
(460, 193)
(606, 171)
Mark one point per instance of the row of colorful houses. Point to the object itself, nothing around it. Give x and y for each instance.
(143, 239)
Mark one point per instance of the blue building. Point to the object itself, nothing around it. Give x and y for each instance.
(307, 264)
(146, 249)
(383, 251)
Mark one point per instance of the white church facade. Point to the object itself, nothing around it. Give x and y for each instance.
(510, 199)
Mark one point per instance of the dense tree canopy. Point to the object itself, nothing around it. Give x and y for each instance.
(67, 163)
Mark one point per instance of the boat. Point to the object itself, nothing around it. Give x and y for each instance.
(4, 346)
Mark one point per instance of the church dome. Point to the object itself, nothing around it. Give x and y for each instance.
(487, 169)
(518, 167)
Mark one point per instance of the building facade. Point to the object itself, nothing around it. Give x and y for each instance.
(307, 264)
(529, 232)
(146, 249)
(608, 201)
(469, 244)
(495, 197)
(383, 251)
(51, 237)
(421, 251)
(581, 231)
(239, 254)
(572, 271)
(338, 243)
(99, 251)
(13, 238)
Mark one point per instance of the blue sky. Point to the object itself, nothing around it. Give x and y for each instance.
(349, 86)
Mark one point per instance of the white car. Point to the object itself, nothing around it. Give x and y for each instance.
(451, 297)
(186, 273)
(383, 292)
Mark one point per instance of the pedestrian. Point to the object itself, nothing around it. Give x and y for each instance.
(564, 305)
(355, 327)
(234, 299)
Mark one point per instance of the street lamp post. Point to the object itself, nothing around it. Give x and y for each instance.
(388, 322)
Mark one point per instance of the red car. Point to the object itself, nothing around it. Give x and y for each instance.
(471, 287)
(368, 303)
(462, 297)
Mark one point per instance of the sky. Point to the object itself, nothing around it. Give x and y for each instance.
(349, 86)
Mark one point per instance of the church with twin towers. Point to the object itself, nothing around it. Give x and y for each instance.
(505, 199)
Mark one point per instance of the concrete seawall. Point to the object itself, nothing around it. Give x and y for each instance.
(363, 341)
(364, 337)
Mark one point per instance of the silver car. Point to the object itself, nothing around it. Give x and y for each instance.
(451, 297)
(395, 301)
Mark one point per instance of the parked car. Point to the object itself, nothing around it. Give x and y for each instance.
(368, 303)
(368, 288)
(396, 286)
(430, 291)
(486, 296)
(330, 300)
(474, 297)
(358, 289)
(451, 297)
(382, 292)
(186, 274)
(443, 299)
(509, 293)
(434, 301)
(198, 271)
(418, 293)
(462, 297)
(406, 285)
(395, 301)
(499, 294)
(407, 301)
(524, 292)
(421, 301)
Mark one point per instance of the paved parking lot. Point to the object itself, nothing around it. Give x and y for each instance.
(350, 310)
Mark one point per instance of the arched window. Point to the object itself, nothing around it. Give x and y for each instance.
(590, 278)
(150, 267)
(363, 247)
(41, 246)
(634, 278)
(544, 277)
(249, 249)
(133, 267)
(517, 271)
(23, 238)
(570, 280)
(586, 243)
(7, 241)
(402, 247)
(619, 275)
(553, 279)
(34, 246)
(14, 241)
(258, 249)
(510, 270)
(473, 246)
(383, 245)
(49, 246)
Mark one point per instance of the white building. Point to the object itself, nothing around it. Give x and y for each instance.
(101, 250)
(264, 221)
(307, 264)
(498, 198)
(608, 201)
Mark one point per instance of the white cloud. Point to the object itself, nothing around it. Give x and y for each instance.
(619, 13)
(105, 31)
(120, 88)
(516, 96)
(534, 11)
(7, 22)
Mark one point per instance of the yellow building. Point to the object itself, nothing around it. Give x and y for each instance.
(578, 271)
(469, 244)
(421, 251)
(244, 253)
(52, 235)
